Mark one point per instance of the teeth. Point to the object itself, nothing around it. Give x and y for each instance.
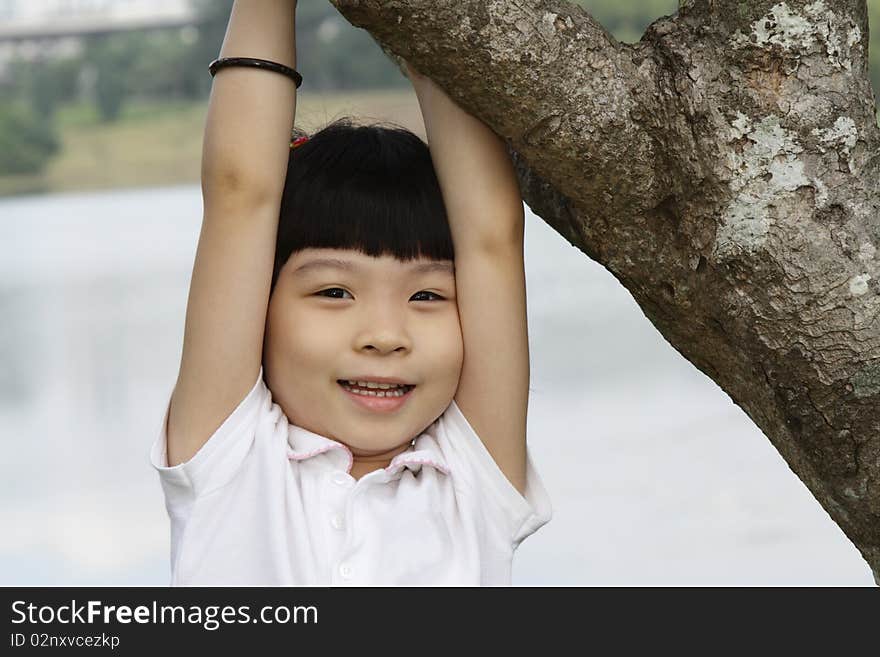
(378, 393)
(371, 384)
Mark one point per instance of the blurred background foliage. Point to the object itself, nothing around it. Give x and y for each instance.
(167, 68)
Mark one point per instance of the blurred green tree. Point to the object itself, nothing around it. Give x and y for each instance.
(627, 19)
(43, 83)
(193, 68)
(158, 69)
(27, 140)
(112, 59)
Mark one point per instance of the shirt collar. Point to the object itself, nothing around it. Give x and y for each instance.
(304, 444)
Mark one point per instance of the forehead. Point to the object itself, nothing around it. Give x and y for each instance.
(311, 261)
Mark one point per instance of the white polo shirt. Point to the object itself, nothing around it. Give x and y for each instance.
(267, 503)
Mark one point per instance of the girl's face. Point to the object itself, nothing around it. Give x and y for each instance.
(378, 317)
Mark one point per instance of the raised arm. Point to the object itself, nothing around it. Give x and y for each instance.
(244, 164)
(486, 219)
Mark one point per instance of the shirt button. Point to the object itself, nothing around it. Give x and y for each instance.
(341, 479)
(336, 521)
(345, 570)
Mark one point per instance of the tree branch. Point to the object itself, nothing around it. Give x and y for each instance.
(544, 74)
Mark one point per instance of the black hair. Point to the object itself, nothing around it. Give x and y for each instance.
(371, 188)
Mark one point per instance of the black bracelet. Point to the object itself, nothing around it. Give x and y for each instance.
(217, 64)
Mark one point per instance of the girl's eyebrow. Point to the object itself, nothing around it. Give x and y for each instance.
(347, 265)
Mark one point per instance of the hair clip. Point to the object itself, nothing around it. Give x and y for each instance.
(299, 141)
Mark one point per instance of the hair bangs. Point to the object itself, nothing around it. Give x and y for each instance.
(371, 188)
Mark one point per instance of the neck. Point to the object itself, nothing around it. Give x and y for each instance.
(366, 463)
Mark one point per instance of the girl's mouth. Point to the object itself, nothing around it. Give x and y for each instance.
(377, 399)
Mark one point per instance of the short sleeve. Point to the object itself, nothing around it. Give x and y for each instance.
(468, 456)
(218, 459)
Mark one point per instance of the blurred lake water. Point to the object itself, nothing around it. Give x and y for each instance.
(656, 477)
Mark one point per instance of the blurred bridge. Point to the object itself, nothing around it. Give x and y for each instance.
(30, 20)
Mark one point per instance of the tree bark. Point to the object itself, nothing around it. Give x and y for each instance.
(725, 169)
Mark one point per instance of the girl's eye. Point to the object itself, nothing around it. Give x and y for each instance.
(426, 292)
(325, 293)
(333, 289)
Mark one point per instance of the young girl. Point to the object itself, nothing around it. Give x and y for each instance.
(384, 441)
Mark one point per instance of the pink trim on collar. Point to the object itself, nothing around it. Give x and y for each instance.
(402, 460)
(299, 457)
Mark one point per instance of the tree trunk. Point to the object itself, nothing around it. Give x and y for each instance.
(726, 170)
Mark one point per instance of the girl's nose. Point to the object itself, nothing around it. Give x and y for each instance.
(386, 345)
(385, 332)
